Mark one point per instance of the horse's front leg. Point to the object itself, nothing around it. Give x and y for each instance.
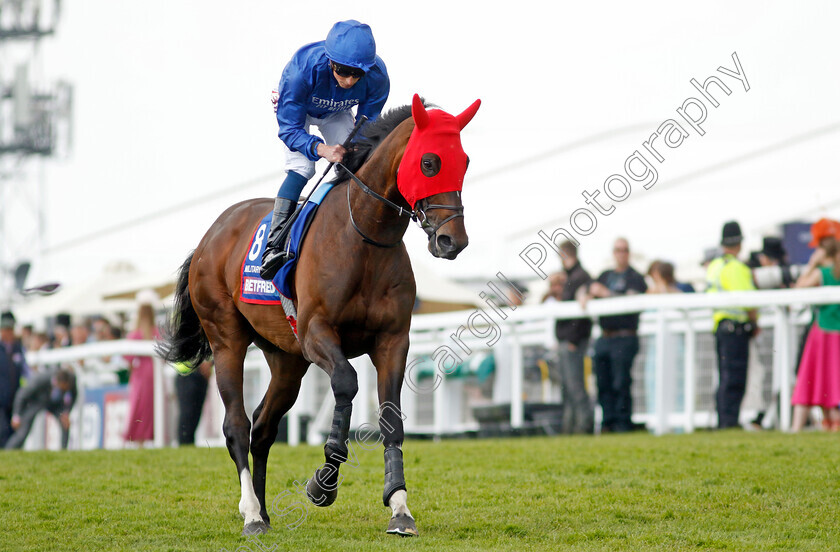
(389, 359)
(324, 350)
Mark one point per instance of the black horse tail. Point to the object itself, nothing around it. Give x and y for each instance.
(184, 340)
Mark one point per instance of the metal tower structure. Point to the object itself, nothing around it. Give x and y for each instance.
(34, 125)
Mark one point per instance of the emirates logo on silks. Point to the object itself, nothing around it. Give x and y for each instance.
(434, 161)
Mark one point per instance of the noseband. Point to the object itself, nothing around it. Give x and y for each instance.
(418, 214)
(421, 217)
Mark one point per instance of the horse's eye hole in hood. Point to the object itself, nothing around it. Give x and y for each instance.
(430, 164)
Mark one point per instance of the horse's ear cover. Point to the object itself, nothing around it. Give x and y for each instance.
(418, 111)
(435, 131)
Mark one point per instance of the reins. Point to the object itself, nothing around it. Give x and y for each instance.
(418, 214)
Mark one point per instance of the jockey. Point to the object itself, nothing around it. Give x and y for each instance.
(319, 86)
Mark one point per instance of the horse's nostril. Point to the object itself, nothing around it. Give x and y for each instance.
(445, 243)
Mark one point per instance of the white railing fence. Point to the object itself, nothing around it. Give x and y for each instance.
(676, 361)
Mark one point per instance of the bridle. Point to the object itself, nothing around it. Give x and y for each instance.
(418, 214)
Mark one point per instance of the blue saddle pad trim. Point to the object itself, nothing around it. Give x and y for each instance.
(255, 289)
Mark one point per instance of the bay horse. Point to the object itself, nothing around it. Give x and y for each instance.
(354, 291)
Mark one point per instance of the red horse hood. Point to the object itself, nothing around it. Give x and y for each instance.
(439, 133)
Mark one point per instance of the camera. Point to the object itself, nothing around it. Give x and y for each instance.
(775, 277)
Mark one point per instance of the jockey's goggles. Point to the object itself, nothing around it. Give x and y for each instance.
(346, 70)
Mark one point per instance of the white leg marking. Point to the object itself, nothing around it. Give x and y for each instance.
(397, 502)
(249, 506)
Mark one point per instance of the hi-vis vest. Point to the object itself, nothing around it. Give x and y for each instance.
(729, 274)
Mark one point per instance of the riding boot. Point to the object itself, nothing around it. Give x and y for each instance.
(274, 256)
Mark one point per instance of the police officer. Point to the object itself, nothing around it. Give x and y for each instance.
(319, 86)
(733, 326)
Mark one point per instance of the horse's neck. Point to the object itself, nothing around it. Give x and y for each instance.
(379, 173)
(381, 168)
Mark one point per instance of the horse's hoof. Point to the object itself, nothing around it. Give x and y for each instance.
(318, 495)
(402, 525)
(255, 528)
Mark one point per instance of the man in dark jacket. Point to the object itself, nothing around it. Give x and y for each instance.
(618, 345)
(12, 368)
(54, 393)
(573, 335)
(9, 383)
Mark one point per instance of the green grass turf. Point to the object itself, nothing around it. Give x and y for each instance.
(706, 491)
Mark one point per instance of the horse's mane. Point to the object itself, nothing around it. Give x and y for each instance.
(373, 134)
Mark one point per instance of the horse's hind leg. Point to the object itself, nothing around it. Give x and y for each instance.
(229, 338)
(286, 373)
(324, 350)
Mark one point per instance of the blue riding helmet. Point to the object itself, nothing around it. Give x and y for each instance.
(351, 43)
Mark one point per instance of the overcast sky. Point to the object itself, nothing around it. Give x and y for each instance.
(172, 106)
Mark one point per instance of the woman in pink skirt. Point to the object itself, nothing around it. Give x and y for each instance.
(141, 383)
(818, 380)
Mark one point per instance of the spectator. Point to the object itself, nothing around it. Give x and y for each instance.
(26, 333)
(772, 272)
(55, 393)
(11, 345)
(7, 395)
(100, 329)
(556, 282)
(40, 341)
(191, 388)
(15, 371)
(733, 326)
(662, 280)
(553, 357)
(818, 379)
(772, 253)
(573, 338)
(106, 368)
(12, 363)
(123, 374)
(141, 421)
(61, 331)
(79, 333)
(515, 293)
(618, 345)
(753, 260)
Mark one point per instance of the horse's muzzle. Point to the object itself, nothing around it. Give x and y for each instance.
(445, 246)
(445, 228)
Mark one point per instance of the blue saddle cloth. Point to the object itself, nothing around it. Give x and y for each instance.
(259, 291)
